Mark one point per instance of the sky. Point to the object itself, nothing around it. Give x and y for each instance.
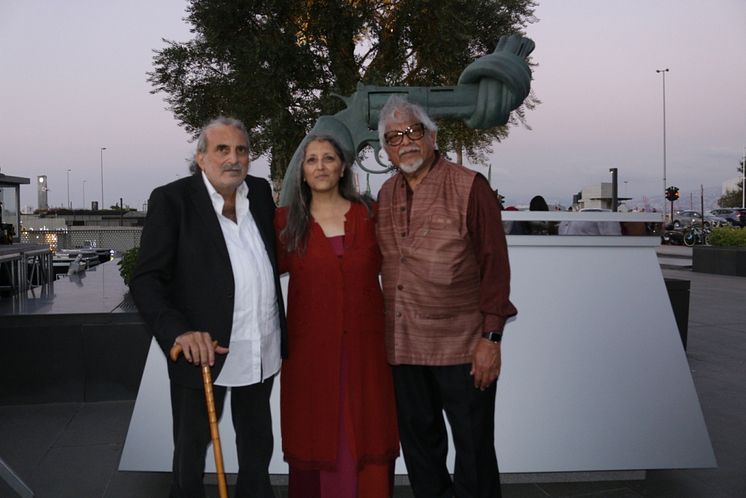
(74, 80)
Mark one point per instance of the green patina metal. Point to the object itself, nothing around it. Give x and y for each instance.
(487, 91)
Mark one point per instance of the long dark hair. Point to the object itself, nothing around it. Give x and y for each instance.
(295, 234)
(538, 204)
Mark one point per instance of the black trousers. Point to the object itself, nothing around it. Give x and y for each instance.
(252, 422)
(422, 394)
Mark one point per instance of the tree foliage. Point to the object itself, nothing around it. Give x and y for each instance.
(733, 198)
(276, 63)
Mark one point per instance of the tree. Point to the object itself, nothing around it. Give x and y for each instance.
(275, 64)
(733, 198)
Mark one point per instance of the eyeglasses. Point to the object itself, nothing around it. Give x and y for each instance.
(414, 133)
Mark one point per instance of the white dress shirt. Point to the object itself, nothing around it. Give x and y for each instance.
(255, 337)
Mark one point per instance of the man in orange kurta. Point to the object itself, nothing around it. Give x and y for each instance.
(446, 286)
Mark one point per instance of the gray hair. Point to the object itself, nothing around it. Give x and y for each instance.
(202, 138)
(295, 234)
(398, 109)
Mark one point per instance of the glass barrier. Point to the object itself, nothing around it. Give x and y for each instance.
(582, 223)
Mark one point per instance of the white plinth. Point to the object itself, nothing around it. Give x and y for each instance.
(594, 375)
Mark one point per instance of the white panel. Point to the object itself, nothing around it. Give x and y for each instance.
(594, 375)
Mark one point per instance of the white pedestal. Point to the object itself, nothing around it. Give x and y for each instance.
(594, 375)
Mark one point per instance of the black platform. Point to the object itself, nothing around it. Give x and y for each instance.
(76, 340)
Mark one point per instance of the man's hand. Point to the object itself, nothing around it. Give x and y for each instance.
(485, 366)
(198, 348)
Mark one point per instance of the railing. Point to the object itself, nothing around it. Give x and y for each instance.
(25, 269)
(9, 282)
(588, 223)
(118, 239)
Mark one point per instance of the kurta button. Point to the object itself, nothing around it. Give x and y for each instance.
(402, 209)
(404, 234)
(398, 313)
(400, 287)
(402, 259)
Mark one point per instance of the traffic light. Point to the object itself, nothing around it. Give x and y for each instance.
(672, 193)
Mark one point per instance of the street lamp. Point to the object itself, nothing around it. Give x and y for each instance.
(102, 177)
(68, 189)
(83, 194)
(663, 74)
(614, 190)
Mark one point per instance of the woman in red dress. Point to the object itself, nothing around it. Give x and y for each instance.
(339, 433)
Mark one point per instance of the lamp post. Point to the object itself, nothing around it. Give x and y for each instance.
(83, 194)
(68, 189)
(614, 190)
(102, 178)
(663, 74)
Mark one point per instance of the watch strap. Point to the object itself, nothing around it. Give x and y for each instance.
(493, 336)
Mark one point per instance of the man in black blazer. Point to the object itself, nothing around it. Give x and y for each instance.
(207, 272)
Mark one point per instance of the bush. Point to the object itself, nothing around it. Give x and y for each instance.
(728, 236)
(127, 264)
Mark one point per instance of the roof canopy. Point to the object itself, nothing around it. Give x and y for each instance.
(13, 180)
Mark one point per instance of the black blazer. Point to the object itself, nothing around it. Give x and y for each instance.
(183, 279)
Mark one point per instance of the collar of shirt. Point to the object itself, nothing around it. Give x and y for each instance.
(242, 199)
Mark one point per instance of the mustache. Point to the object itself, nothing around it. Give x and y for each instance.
(230, 167)
(409, 148)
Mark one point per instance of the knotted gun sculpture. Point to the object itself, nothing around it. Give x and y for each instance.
(487, 91)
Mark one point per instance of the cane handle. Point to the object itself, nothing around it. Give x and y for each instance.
(176, 350)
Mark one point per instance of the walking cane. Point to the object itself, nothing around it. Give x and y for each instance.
(210, 399)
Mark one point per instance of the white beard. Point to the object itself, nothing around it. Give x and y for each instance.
(411, 167)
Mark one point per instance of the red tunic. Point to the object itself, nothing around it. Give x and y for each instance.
(328, 298)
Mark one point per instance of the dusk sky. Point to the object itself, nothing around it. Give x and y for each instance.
(73, 81)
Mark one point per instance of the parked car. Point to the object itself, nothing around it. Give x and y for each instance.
(715, 221)
(684, 218)
(741, 215)
(735, 216)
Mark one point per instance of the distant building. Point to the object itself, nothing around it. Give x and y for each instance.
(10, 207)
(36, 222)
(55, 218)
(68, 229)
(42, 188)
(596, 197)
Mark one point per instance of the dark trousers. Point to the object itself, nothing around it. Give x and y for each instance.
(422, 394)
(252, 422)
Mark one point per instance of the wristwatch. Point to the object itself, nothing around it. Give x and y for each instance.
(493, 336)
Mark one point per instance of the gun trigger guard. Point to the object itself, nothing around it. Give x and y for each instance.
(375, 145)
(387, 167)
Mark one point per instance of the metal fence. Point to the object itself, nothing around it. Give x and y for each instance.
(118, 239)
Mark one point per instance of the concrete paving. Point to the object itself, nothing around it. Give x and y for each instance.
(72, 449)
(675, 257)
